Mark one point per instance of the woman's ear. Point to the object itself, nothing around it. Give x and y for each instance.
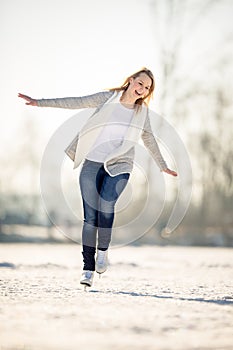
(131, 80)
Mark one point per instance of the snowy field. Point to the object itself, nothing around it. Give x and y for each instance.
(156, 298)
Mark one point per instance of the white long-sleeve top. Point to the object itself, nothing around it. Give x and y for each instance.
(112, 134)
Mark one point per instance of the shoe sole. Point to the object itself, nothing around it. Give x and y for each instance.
(100, 272)
(86, 284)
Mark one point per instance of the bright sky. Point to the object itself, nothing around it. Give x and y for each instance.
(58, 48)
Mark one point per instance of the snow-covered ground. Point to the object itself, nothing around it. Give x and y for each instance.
(156, 298)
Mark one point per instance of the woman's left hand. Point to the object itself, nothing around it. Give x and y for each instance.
(170, 172)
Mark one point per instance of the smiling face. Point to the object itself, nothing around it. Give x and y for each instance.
(139, 87)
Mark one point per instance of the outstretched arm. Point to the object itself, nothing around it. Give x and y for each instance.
(90, 101)
(151, 144)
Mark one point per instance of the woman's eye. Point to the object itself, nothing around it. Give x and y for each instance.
(140, 83)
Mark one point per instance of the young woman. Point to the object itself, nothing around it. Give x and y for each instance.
(106, 145)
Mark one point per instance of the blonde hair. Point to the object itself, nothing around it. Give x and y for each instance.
(139, 102)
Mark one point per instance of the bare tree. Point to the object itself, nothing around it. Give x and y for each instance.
(184, 95)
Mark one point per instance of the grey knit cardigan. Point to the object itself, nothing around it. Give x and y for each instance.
(122, 160)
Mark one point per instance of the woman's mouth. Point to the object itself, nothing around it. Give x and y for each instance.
(137, 93)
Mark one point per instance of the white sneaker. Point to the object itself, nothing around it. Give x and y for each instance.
(87, 278)
(101, 263)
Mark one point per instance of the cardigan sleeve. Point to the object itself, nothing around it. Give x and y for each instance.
(89, 101)
(151, 144)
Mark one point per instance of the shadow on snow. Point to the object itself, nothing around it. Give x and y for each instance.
(199, 299)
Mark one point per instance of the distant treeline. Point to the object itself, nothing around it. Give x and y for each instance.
(211, 225)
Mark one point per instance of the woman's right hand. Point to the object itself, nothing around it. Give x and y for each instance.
(30, 101)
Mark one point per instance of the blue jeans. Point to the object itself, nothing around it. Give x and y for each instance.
(100, 192)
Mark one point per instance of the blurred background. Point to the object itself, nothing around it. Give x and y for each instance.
(61, 48)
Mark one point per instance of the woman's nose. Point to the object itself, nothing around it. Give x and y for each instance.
(141, 89)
